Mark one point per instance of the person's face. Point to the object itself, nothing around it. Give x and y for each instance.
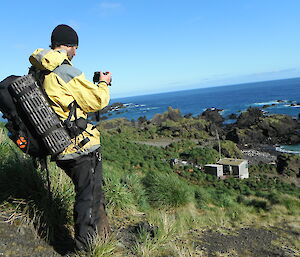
(71, 51)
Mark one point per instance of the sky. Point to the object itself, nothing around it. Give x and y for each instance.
(153, 46)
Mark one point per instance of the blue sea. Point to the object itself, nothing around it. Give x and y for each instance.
(283, 97)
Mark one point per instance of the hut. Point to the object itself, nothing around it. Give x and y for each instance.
(214, 169)
(234, 167)
(228, 167)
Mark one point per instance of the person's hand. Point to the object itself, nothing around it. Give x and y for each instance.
(106, 77)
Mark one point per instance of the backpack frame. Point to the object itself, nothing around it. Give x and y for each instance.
(32, 124)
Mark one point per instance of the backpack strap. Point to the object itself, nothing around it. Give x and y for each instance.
(76, 126)
(44, 167)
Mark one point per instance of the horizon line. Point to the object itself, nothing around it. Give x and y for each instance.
(212, 86)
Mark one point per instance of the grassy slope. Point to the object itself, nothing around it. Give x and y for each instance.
(155, 210)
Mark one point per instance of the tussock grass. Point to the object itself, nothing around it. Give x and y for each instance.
(157, 239)
(119, 197)
(167, 189)
(143, 189)
(102, 247)
(24, 195)
(292, 204)
(165, 223)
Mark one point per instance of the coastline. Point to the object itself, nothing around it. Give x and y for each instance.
(260, 153)
(285, 149)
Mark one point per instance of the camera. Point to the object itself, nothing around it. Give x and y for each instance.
(96, 77)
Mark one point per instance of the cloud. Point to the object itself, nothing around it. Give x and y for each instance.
(110, 5)
(20, 46)
(255, 77)
(232, 79)
(109, 8)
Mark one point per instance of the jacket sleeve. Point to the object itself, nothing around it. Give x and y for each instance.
(89, 96)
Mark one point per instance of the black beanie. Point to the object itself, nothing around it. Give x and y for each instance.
(64, 35)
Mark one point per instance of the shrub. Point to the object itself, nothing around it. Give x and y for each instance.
(133, 156)
(273, 197)
(229, 149)
(201, 156)
(292, 205)
(223, 198)
(259, 204)
(262, 168)
(180, 146)
(203, 197)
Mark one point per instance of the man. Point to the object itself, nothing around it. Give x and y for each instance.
(72, 96)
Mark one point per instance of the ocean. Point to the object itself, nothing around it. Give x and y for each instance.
(231, 99)
(275, 97)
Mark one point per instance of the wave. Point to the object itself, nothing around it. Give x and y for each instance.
(271, 102)
(133, 105)
(149, 108)
(292, 106)
(289, 149)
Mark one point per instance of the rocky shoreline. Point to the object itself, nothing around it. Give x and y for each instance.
(259, 156)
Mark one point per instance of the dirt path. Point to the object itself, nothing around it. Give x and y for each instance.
(251, 241)
(20, 241)
(160, 142)
(247, 242)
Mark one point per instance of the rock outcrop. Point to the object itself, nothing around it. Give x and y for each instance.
(213, 115)
(288, 164)
(253, 126)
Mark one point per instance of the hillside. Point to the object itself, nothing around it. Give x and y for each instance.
(157, 209)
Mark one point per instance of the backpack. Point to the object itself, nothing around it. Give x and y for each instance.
(31, 123)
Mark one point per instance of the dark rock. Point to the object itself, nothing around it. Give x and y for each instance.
(295, 104)
(232, 116)
(288, 164)
(244, 136)
(293, 139)
(253, 126)
(188, 116)
(107, 110)
(250, 117)
(144, 227)
(266, 106)
(171, 114)
(280, 128)
(213, 115)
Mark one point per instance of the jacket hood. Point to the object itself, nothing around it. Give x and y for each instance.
(48, 59)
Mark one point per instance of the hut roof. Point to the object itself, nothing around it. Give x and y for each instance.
(231, 161)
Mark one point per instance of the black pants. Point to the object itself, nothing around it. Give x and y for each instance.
(86, 174)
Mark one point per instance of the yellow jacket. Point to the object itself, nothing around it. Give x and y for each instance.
(64, 84)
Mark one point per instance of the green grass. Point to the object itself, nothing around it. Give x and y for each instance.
(141, 186)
